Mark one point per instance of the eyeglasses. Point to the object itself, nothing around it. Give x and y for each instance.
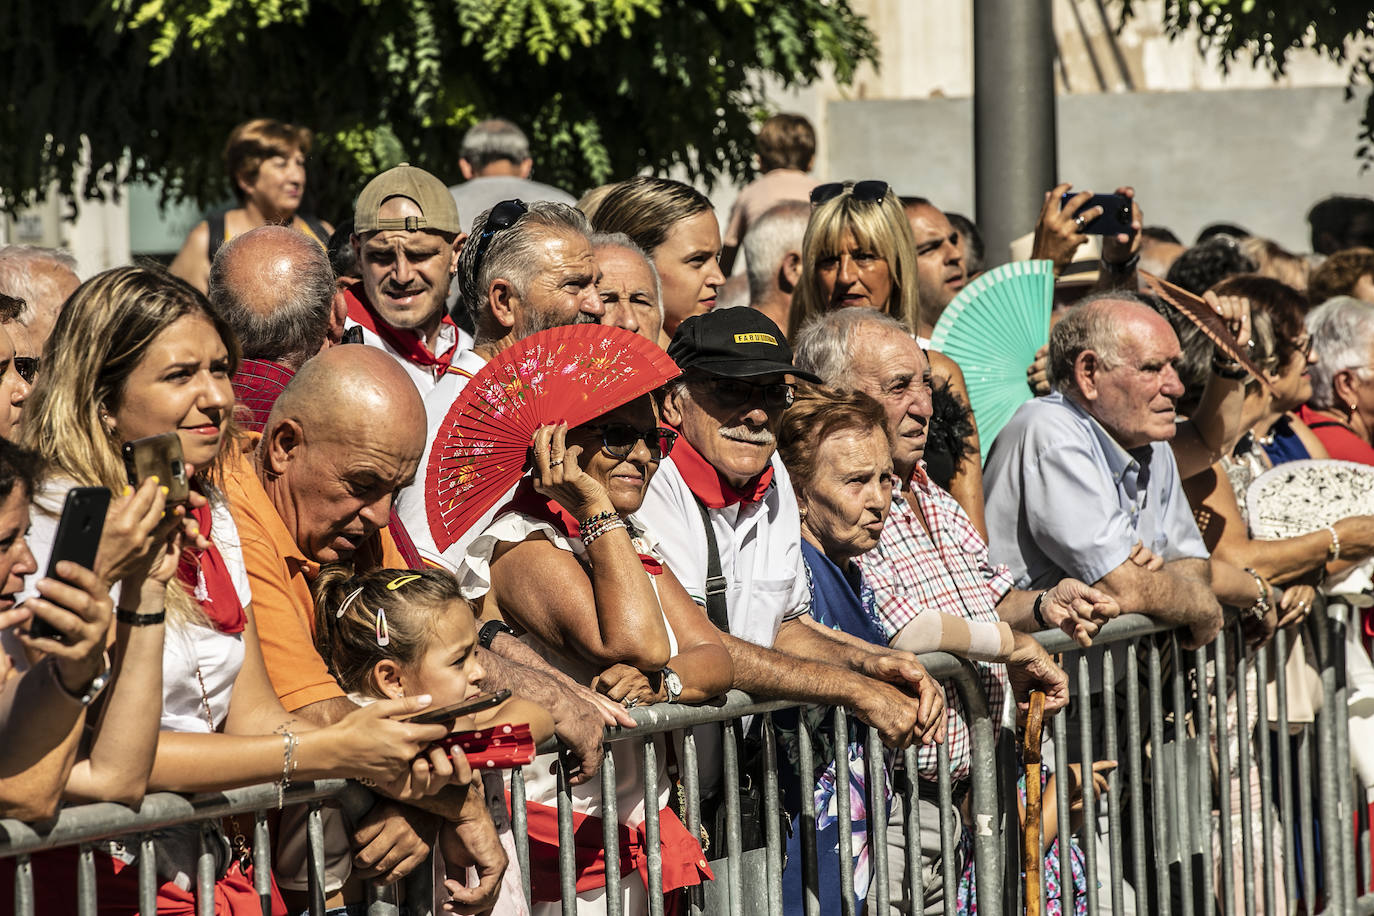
(502, 217)
(619, 440)
(733, 393)
(27, 367)
(864, 191)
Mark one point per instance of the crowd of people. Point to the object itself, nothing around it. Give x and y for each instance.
(799, 511)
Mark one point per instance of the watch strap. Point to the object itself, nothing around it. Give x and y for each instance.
(492, 629)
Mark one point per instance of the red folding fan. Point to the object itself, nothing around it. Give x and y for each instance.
(574, 374)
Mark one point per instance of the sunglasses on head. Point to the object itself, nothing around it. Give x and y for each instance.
(867, 191)
(733, 393)
(502, 217)
(27, 367)
(619, 439)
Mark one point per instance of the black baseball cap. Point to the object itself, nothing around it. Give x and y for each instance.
(736, 343)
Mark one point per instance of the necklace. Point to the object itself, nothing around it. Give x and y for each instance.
(237, 838)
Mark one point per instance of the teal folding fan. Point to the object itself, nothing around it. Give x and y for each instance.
(992, 330)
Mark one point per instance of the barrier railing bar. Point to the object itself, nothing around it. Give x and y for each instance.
(314, 831)
(843, 811)
(1331, 769)
(1285, 762)
(85, 881)
(691, 785)
(1088, 755)
(610, 831)
(649, 761)
(1266, 781)
(1109, 738)
(1183, 832)
(262, 865)
(811, 905)
(567, 852)
(772, 815)
(519, 826)
(913, 892)
(1157, 779)
(734, 867)
(1135, 775)
(1220, 667)
(944, 793)
(23, 886)
(1202, 763)
(1059, 735)
(877, 817)
(1306, 813)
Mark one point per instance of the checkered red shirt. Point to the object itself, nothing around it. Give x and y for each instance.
(947, 570)
(256, 387)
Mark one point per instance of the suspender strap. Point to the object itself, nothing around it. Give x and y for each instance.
(1322, 424)
(716, 586)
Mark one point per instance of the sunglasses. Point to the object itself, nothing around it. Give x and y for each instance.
(733, 393)
(27, 367)
(502, 217)
(619, 439)
(867, 191)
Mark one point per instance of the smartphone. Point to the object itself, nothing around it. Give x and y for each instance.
(1116, 213)
(471, 705)
(78, 539)
(158, 456)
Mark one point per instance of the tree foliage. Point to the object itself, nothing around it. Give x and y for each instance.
(149, 89)
(1269, 33)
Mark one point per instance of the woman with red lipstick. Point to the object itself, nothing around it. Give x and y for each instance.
(675, 224)
(137, 352)
(604, 610)
(265, 160)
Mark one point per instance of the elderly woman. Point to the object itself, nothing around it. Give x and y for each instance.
(1341, 411)
(859, 251)
(265, 160)
(677, 228)
(604, 610)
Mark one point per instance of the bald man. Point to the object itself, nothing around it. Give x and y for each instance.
(275, 287)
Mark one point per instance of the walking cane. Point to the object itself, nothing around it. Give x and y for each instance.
(1031, 839)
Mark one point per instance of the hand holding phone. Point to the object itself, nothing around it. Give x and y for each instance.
(158, 456)
(1112, 214)
(77, 540)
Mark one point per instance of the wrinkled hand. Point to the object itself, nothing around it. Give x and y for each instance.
(1038, 372)
(905, 671)
(1056, 233)
(473, 843)
(558, 475)
(1143, 557)
(1031, 668)
(628, 686)
(1100, 785)
(1078, 609)
(1296, 604)
(1120, 248)
(1235, 311)
(81, 610)
(579, 724)
(390, 842)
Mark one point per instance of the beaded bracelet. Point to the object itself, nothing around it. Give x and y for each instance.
(1334, 551)
(592, 521)
(592, 532)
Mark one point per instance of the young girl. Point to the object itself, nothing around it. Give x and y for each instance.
(393, 633)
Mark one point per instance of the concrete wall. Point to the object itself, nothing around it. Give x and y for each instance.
(1259, 158)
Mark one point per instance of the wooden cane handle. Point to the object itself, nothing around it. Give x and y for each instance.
(1031, 835)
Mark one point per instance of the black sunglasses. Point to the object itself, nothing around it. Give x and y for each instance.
(619, 440)
(733, 393)
(27, 367)
(502, 217)
(866, 191)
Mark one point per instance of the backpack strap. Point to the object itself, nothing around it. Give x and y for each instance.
(716, 586)
(317, 229)
(215, 221)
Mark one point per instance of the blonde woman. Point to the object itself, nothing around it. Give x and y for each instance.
(138, 352)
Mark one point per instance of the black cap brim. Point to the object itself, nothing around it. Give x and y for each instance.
(749, 368)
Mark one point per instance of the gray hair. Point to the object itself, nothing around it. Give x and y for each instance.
(602, 240)
(284, 322)
(1090, 325)
(491, 141)
(511, 254)
(779, 230)
(1342, 329)
(824, 343)
(18, 277)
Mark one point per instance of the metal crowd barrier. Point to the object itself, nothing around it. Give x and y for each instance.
(1219, 803)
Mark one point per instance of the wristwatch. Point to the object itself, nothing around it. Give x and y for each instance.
(672, 684)
(93, 689)
(492, 629)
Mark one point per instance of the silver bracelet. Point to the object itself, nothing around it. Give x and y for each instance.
(1334, 551)
(288, 765)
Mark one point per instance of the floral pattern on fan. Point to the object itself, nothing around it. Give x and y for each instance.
(1303, 496)
(571, 374)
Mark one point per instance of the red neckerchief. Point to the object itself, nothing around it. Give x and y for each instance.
(707, 484)
(404, 341)
(207, 580)
(529, 501)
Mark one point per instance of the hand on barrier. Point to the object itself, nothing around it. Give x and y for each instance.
(1078, 609)
(905, 671)
(473, 843)
(578, 720)
(1296, 604)
(628, 686)
(369, 743)
(390, 842)
(1031, 668)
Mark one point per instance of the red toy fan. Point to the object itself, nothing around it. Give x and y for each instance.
(574, 373)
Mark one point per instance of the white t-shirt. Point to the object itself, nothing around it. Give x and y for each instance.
(422, 376)
(412, 502)
(219, 656)
(759, 545)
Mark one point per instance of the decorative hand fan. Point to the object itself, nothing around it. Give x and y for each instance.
(1196, 310)
(992, 330)
(573, 373)
(1302, 496)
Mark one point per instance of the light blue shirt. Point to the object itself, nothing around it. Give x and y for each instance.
(1065, 499)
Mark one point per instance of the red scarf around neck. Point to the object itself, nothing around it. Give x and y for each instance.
(406, 342)
(208, 581)
(529, 501)
(708, 485)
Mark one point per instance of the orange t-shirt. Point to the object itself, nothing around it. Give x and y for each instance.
(280, 576)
